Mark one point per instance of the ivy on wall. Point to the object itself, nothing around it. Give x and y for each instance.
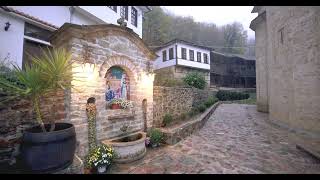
(91, 111)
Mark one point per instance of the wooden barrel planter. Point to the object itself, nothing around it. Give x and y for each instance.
(48, 152)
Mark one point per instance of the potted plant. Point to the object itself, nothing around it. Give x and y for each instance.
(120, 104)
(100, 158)
(115, 103)
(46, 147)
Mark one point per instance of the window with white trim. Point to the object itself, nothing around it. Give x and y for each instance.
(183, 53)
(205, 58)
(124, 12)
(191, 55)
(170, 53)
(198, 56)
(164, 55)
(134, 16)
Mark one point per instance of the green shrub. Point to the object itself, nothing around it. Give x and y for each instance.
(167, 119)
(211, 100)
(202, 107)
(195, 79)
(194, 111)
(156, 136)
(230, 96)
(9, 75)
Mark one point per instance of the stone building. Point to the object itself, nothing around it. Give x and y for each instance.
(288, 66)
(232, 71)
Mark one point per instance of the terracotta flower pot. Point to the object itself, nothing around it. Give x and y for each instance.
(115, 106)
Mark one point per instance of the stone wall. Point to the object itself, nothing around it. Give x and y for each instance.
(261, 65)
(175, 101)
(288, 64)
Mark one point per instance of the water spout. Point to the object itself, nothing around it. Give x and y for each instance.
(124, 128)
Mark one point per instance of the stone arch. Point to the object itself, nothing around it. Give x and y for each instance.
(123, 62)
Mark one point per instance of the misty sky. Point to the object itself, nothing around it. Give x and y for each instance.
(220, 15)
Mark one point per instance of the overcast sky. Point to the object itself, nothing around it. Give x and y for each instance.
(220, 15)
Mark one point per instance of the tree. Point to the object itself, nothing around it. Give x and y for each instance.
(235, 38)
(251, 48)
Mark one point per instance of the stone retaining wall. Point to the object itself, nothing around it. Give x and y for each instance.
(175, 101)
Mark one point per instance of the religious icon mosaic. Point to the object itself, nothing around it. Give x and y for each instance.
(117, 83)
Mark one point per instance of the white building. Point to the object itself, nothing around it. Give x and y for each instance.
(180, 57)
(24, 28)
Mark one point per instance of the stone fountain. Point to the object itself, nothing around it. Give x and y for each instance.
(128, 147)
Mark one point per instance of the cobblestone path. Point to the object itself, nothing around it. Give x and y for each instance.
(236, 139)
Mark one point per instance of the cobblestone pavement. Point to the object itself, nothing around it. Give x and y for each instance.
(236, 139)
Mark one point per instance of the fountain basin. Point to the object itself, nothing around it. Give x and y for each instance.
(128, 148)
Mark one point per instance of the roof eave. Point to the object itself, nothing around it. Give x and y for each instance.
(28, 18)
(176, 40)
(255, 9)
(145, 9)
(261, 17)
(65, 26)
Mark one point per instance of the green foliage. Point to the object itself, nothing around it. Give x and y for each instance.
(55, 68)
(156, 136)
(194, 111)
(234, 36)
(91, 112)
(202, 108)
(195, 79)
(8, 74)
(47, 73)
(167, 119)
(229, 96)
(251, 100)
(210, 101)
(183, 116)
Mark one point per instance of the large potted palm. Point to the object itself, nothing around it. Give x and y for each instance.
(47, 147)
